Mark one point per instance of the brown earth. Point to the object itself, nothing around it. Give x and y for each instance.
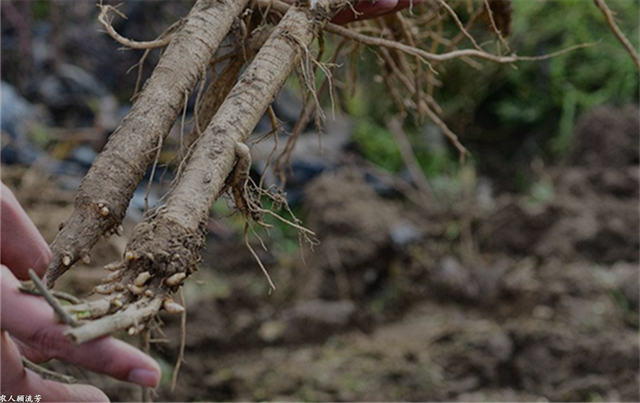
(543, 306)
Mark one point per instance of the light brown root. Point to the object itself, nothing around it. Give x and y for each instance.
(55, 293)
(116, 172)
(604, 8)
(256, 257)
(105, 21)
(94, 309)
(457, 54)
(183, 340)
(164, 249)
(47, 374)
(145, 346)
(410, 160)
(55, 304)
(134, 315)
(283, 160)
(460, 25)
(504, 7)
(218, 90)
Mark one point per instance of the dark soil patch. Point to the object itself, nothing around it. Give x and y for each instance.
(546, 307)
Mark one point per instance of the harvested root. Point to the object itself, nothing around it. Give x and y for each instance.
(132, 316)
(223, 83)
(107, 188)
(165, 249)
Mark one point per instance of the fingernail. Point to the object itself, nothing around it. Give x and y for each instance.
(144, 377)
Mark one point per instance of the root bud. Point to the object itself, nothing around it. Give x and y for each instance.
(142, 278)
(172, 307)
(105, 289)
(135, 290)
(115, 266)
(175, 279)
(112, 277)
(104, 210)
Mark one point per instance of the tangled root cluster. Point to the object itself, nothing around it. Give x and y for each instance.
(234, 87)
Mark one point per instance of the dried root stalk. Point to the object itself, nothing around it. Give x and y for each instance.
(165, 249)
(104, 20)
(106, 190)
(223, 83)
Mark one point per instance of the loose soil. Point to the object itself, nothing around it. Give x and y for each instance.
(544, 306)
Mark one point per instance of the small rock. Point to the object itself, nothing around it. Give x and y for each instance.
(403, 234)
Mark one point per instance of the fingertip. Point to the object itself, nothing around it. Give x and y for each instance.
(146, 373)
(145, 377)
(119, 360)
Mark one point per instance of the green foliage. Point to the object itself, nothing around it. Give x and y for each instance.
(41, 9)
(376, 142)
(508, 115)
(580, 80)
(521, 111)
(377, 145)
(370, 133)
(543, 99)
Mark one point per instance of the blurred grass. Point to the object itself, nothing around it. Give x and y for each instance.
(529, 108)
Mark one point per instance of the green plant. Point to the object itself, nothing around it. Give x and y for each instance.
(542, 100)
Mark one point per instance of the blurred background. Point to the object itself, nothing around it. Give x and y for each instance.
(511, 276)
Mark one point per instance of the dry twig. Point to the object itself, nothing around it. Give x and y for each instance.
(103, 19)
(617, 32)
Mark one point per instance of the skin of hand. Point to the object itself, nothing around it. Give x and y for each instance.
(29, 327)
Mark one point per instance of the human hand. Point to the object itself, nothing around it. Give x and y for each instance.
(29, 328)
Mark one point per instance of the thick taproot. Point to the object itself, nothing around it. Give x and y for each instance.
(106, 190)
(168, 243)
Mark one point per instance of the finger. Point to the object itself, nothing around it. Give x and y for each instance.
(364, 10)
(21, 245)
(16, 380)
(30, 353)
(30, 319)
